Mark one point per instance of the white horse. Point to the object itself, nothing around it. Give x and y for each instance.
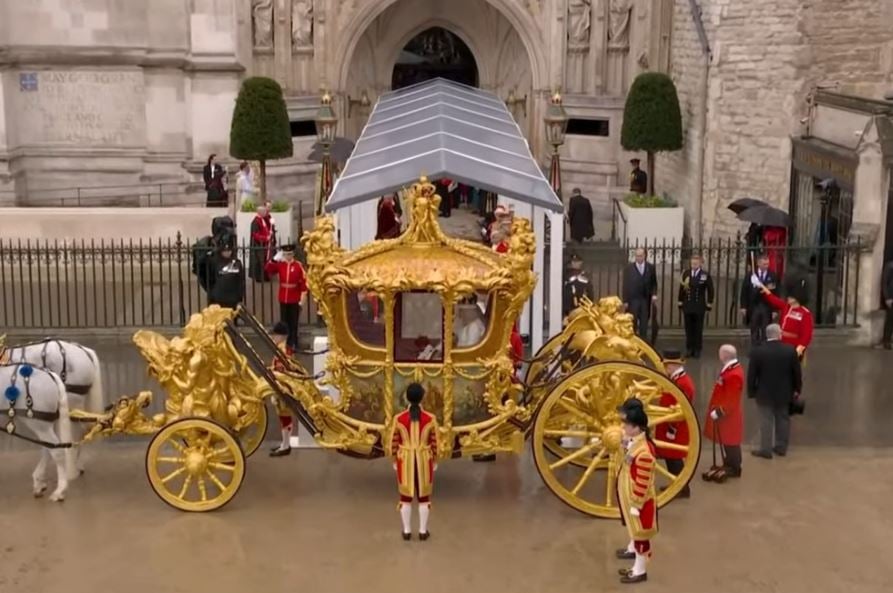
(34, 399)
(79, 369)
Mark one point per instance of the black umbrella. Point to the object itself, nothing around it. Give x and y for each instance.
(742, 204)
(766, 216)
(340, 151)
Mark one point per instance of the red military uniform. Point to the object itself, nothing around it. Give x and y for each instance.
(635, 489)
(726, 398)
(292, 281)
(796, 322)
(675, 432)
(414, 448)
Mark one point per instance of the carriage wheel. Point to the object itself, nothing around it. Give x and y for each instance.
(583, 407)
(195, 465)
(252, 436)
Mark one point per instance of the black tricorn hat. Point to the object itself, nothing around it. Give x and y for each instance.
(633, 412)
(289, 248)
(672, 356)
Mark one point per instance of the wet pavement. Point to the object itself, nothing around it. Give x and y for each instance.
(317, 521)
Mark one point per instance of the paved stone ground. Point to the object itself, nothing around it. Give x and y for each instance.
(317, 521)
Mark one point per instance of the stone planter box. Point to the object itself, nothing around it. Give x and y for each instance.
(286, 229)
(646, 227)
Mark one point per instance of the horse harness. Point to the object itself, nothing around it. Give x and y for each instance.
(12, 394)
(63, 374)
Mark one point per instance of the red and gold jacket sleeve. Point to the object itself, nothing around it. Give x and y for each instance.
(642, 475)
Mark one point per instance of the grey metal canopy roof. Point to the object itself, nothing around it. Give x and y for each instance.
(441, 129)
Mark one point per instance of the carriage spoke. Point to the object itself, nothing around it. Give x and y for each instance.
(671, 446)
(177, 446)
(661, 410)
(583, 434)
(201, 489)
(577, 454)
(216, 481)
(664, 471)
(219, 452)
(185, 488)
(223, 466)
(578, 412)
(171, 459)
(586, 475)
(676, 416)
(173, 475)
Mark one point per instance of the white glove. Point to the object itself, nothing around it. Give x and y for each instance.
(671, 434)
(395, 466)
(278, 256)
(714, 415)
(635, 512)
(755, 281)
(435, 467)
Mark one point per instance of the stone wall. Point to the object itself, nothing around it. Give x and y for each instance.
(112, 92)
(766, 57)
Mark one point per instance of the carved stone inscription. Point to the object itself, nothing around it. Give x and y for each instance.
(94, 108)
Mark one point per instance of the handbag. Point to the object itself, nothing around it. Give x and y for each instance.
(797, 407)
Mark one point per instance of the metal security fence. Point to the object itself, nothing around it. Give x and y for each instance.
(131, 284)
(831, 273)
(107, 284)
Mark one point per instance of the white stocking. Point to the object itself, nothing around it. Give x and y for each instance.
(424, 511)
(286, 438)
(631, 547)
(406, 516)
(639, 565)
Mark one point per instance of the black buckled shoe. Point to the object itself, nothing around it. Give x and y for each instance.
(732, 472)
(761, 454)
(424, 536)
(624, 554)
(780, 452)
(406, 536)
(629, 578)
(277, 452)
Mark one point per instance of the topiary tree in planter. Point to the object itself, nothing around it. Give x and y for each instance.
(260, 130)
(652, 120)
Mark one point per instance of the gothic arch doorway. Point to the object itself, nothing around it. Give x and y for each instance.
(435, 52)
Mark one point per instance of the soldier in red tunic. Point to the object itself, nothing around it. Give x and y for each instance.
(675, 432)
(796, 320)
(286, 422)
(635, 491)
(292, 289)
(725, 419)
(413, 445)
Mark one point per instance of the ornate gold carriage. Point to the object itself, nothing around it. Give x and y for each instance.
(426, 308)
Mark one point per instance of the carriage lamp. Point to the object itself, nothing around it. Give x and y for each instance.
(556, 127)
(513, 102)
(326, 122)
(363, 102)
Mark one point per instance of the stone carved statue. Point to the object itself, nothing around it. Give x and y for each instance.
(262, 23)
(302, 23)
(579, 19)
(619, 16)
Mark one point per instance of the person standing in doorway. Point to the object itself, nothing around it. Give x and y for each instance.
(756, 311)
(292, 289)
(579, 216)
(725, 419)
(695, 300)
(675, 432)
(213, 176)
(640, 290)
(774, 379)
(638, 179)
(388, 221)
(887, 294)
(576, 287)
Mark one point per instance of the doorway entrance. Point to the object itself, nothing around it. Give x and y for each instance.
(433, 53)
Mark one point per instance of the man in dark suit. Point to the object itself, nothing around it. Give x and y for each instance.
(887, 293)
(576, 287)
(695, 299)
(774, 379)
(579, 216)
(640, 291)
(757, 312)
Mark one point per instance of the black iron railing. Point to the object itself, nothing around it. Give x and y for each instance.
(107, 284)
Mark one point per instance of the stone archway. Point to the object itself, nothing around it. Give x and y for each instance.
(434, 53)
(507, 57)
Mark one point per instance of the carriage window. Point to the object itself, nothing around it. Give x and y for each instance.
(418, 330)
(365, 315)
(470, 321)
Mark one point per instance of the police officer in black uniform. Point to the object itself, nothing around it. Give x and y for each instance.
(576, 286)
(695, 299)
